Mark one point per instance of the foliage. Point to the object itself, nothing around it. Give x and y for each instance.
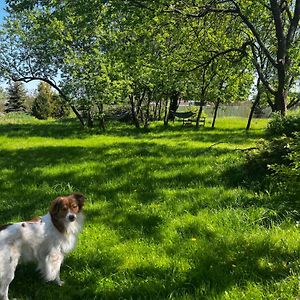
(268, 152)
(279, 158)
(41, 107)
(287, 176)
(59, 108)
(284, 125)
(108, 52)
(16, 98)
(47, 104)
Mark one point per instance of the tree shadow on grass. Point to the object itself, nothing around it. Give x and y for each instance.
(32, 177)
(179, 133)
(66, 128)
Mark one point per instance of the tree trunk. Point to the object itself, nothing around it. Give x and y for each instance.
(271, 104)
(166, 117)
(101, 116)
(90, 121)
(159, 109)
(78, 115)
(147, 114)
(255, 103)
(199, 115)
(133, 112)
(280, 101)
(63, 95)
(155, 110)
(140, 101)
(174, 99)
(215, 113)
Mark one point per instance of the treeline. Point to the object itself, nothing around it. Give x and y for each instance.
(43, 105)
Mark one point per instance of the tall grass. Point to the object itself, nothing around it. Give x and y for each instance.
(165, 216)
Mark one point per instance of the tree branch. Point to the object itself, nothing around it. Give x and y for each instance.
(27, 79)
(242, 51)
(293, 25)
(256, 35)
(260, 71)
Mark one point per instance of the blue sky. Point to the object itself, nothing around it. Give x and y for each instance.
(2, 12)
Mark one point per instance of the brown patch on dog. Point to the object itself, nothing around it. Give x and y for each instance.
(2, 227)
(62, 205)
(35, 220)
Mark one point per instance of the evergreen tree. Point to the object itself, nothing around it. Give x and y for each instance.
(59, 108)
(41, 107)
(16, 98)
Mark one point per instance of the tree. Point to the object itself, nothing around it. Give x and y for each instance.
(59, 108)
(272, 27)
(41, 107)
(3, 99)
(16, 98)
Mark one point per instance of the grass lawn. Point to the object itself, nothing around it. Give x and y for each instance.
(168, 216)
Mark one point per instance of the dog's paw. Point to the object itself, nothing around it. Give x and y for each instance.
(60, 282)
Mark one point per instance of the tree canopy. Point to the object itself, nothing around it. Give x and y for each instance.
(101, 52)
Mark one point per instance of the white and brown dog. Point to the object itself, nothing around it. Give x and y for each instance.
(44, 240)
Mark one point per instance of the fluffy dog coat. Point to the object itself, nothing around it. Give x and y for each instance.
(44, 240)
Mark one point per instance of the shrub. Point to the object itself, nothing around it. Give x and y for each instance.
(268, 152)
(275, 163)
(287, 125)
(286, 177)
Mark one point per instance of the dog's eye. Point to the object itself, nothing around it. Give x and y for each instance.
(74, 206)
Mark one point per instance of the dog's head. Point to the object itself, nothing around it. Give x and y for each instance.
(64, 209)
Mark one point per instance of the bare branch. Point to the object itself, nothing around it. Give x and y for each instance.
(293, 25)
(260, 71)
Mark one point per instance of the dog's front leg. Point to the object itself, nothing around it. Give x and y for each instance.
(4, 292)
(52, 267)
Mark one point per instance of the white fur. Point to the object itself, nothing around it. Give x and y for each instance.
(40, 242)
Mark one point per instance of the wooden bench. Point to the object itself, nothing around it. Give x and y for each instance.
(187, 118)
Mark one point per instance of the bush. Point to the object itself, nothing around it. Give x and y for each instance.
(268, 152)
(275, 163)
(280, 125)
(287, 175)
(58, 108)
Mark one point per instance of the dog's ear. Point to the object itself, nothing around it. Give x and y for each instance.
(79, 199)
(55, 206)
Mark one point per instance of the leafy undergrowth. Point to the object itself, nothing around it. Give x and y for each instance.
(162, 222)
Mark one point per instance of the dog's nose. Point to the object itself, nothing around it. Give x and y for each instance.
(71, 218)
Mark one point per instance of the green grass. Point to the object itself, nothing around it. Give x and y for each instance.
(166, 215)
